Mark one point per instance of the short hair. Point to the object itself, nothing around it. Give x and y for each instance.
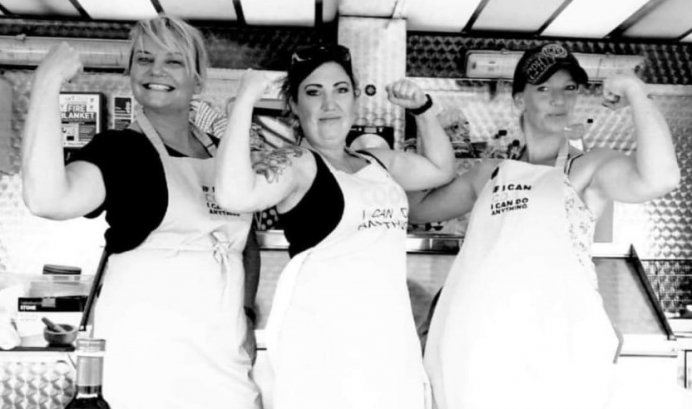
(306, 59)
(173, 34)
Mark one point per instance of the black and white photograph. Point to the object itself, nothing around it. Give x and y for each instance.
(346, 204)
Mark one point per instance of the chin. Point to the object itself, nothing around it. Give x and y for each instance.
(556, 126)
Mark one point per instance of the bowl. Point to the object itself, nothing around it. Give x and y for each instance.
(61, 338)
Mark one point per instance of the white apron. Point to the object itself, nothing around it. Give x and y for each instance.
(520, 322)
(341, 333)
(171, 309)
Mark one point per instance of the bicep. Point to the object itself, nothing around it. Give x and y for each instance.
(444, 203)
(616, 178)
(85, 192)
(411, 171)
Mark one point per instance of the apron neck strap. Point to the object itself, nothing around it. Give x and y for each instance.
(155, 138)
(562, 155)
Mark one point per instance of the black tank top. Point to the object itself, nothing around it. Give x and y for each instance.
(318, 212)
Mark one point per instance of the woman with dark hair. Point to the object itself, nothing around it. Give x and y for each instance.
(520, 322)
(171, 306)
(341, 332)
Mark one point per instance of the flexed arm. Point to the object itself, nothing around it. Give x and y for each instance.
(454, 199)
(50, 189)
(653, 171)
(240, 185)
(434, 166)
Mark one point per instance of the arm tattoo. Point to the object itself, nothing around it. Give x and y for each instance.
(272, 165)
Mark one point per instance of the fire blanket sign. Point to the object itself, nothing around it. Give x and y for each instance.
(81, 116)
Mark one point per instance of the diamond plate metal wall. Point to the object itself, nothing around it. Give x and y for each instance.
(435, 55)
(671, 281)
(35, 383)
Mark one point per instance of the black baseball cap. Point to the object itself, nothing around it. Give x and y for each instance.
(540, 63)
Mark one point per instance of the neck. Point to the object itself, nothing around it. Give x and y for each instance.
(542, 149)
(173, 128)
(339, 158)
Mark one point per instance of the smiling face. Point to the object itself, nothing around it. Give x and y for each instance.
(160, 78)
(325, 105)
(547, 107)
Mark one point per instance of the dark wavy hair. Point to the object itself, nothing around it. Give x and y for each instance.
(306, 59)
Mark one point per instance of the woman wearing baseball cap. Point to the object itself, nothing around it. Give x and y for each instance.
(520, 322)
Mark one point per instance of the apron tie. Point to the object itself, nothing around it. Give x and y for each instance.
(222, 250)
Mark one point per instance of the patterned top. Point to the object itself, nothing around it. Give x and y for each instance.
(582, 225)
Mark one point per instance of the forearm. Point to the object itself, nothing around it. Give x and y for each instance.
(656, 161)
(44, 177)
(234, 174)
(435, 144)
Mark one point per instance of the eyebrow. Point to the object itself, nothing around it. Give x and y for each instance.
(169, 54)
(336, 84)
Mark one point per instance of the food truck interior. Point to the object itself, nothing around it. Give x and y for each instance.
(462, 53)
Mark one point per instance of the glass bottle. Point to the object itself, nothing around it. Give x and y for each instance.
(89, 375)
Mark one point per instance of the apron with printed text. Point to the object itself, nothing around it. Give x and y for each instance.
(520, 322)
(341, 333)
(171, 309)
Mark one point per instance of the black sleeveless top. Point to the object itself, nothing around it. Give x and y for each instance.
(318, 212)
(136, 190)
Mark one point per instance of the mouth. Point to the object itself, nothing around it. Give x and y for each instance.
(157, 87)
(558, 115)
(330, 119)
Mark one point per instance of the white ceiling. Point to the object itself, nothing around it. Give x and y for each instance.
(667, 20)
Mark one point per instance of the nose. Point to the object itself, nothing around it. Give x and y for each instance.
(157, 67)
(328, 102)
(557, 97)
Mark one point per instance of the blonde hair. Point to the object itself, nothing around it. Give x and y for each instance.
(174, 35)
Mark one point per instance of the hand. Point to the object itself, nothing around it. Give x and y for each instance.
(618, 90)
(253, 84)
(405, 93)
(61, 64)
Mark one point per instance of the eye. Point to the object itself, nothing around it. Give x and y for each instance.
(175, 63)
(312, 91)
(143, 60)
(542, 88)
(343, 90)
(571, 87)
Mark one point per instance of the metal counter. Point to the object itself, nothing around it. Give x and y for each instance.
(415, 243)
(432, 243)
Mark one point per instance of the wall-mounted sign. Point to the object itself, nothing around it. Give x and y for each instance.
(82, 116)
(123, 112)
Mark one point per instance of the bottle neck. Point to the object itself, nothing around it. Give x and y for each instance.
(88, 392)
(89, 375)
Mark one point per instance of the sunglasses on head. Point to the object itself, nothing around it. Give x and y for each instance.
(321, 53)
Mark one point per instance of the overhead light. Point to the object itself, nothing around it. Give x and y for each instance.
(591, 18)
(493, 64)
(438, 15)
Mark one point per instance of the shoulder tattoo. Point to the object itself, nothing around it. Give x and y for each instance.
(273, 164)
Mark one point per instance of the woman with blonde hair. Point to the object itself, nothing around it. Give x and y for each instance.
(519, 322)
(171, 306)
